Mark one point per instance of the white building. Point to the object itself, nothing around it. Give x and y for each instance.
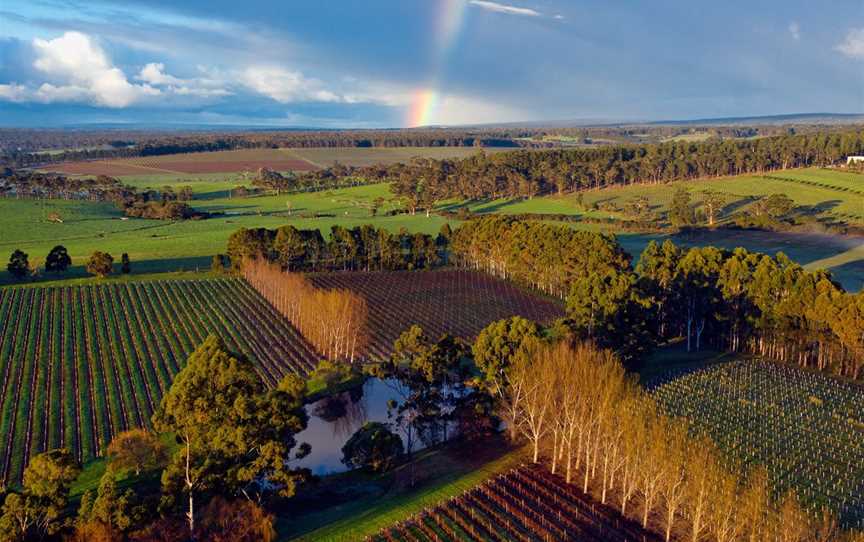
(854, 159)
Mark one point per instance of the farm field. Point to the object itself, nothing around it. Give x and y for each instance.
(283, 159)
(526, 503)
(82, 363)
(838, 194)
(157, 246)
(806, 428)
(458, 302)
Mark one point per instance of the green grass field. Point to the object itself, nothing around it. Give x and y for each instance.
(156, 246)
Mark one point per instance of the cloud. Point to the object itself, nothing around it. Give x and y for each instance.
(286, 86)
(154, 74)
(853, 45)
(85, 71)
(795, 30)
(503, 8)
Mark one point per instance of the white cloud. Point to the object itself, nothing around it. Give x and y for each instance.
(205, 87)
(286, 86)
(503, 8)
(795, 30)
(15, 93)
(853, 45)
(86, 72)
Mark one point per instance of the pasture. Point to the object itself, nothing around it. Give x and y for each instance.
(157, 246)
(807, 429)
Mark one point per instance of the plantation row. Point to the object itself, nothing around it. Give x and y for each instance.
(81, 364)
(527, 504)
(457, 302)
(807, 429)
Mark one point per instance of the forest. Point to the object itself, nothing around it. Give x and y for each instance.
(527, 174)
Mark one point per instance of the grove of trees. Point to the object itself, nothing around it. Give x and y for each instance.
(360, 248)
(729, 300)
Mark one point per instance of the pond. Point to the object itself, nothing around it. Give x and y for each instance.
(334, 419)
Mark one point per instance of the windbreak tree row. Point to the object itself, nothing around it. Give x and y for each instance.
(364, 248)
(584, 417)
(334, 321)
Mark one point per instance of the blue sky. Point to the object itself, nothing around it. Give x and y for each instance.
(394, 63)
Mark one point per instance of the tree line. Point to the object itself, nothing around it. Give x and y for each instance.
(525, 174)
(99, 264)
(360, 248)
(27, 148)
(706, 296)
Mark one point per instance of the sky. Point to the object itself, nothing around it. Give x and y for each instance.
(404, 63)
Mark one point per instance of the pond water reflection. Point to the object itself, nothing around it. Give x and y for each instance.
(334, 419)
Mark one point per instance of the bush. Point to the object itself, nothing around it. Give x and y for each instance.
(58, 260)
(100, 264)
(373, 447)
(18, 265)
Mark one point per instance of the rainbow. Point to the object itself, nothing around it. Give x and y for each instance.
(448, 22)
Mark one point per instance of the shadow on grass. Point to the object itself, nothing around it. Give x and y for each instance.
(77, 274)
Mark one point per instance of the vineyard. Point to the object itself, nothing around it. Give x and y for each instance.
(80, 364)
(457, 302)
(806, 428)
(527, 504)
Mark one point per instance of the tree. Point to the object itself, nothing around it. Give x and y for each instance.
(125, 266)
(373, 447)
(136, 450)
(495, 350)
(18, 265)
(236, 436)
(36, 511)
(58, 260)
(109, 511)
(681, 212)
(713, 203)
(100, 264)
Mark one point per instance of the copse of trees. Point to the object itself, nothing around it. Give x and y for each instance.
(584, 416)
(160, 205)
(333, 321)
(423, 182)
(729, 300)
(359, 248)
